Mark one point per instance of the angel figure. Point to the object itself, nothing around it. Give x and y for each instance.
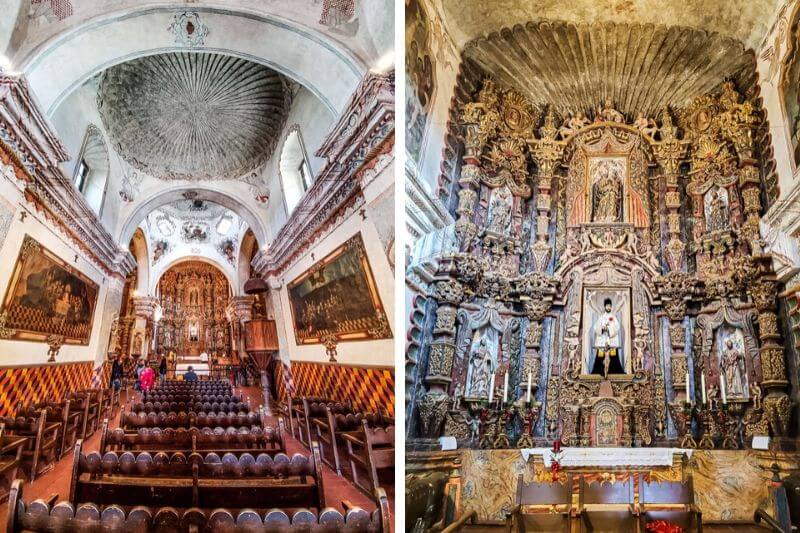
(610, 114)
(645, 125)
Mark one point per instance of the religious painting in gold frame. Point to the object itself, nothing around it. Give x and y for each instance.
(338, 296)
(46, 296)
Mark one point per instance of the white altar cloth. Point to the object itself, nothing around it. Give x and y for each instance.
(607, 457)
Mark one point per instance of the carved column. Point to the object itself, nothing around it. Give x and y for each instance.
(675, 289)
(467, 197)
(670, 151)
(433, 405)
(777, 405)
(547, 152)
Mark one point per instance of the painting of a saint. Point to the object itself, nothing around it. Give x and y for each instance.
(716, 209)
(606, 178)
(606, 329)
(46, 296)
(730, 351)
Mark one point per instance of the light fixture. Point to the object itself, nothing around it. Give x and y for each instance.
(224, 224)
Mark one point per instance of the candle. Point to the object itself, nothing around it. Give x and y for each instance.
(722, 388)
(528, 398)
(505, 388)
(703, 387)
(491, 388)
(688, 396)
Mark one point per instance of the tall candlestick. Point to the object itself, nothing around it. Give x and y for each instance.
(505, 388)
(688, 396)
(491, 388)
(528, 397)
(703, 387)
(722, 388)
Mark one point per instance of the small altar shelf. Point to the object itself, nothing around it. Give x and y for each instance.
(626, 458)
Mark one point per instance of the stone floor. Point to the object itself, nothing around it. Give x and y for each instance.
(337, 488)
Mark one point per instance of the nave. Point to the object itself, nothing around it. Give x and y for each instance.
(145, 479)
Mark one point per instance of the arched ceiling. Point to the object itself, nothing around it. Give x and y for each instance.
(639, 67)
(193, 115)
(744, 20)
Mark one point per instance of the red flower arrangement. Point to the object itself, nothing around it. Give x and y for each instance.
(662, 526)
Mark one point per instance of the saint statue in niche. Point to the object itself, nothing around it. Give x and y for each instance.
(716, 209)
(482, 365)
(606, 178)
(193, 333)
(607, 343)
(731, 359)
(500, 207)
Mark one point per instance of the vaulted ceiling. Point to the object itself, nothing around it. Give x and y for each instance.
(194, 116)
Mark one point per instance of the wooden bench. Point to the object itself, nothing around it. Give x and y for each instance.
(672, 501)
(88, 402)
(606, 506)
(109, 402)
(371, 449)
(11, 449)
(48, 516)
(206, 407)
(198, 480)
(254, 439)
(542, 507)
(315, 409)
(41, 441)
(333, 425)
(71, 421)
(134, 421)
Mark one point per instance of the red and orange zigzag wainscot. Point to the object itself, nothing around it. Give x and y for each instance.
(42, 383)
(370, 388)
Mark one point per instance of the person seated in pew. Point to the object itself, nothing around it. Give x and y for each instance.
(189, 375)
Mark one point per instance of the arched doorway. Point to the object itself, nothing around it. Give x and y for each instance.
(194, 297)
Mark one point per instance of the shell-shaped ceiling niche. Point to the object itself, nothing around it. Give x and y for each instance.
(639, 67)
(195, 116)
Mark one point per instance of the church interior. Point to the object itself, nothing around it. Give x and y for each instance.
(602, 265)
(196, 216)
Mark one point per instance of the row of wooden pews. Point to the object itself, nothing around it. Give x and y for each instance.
(364, 440)
(40, 434)
(172, 471)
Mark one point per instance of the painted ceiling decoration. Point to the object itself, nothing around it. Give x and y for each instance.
(193, 115)
(744, 20)
(638, 67)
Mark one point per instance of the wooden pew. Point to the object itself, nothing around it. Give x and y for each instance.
(333, 425)
(11, 449)
(134, 421)
(542, 507)
(315, 409)
(672, 501)
(372, 449)
(197, 480)
(48, 516)
(605, 506)
(41, 441)
(193, 406)
(221, 440)
(88, 402)
(62, 412)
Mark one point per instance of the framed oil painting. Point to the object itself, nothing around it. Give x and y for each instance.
(46, 296)
(338, 296)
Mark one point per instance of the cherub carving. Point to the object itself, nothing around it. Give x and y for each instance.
(645, 125)
(609, 114)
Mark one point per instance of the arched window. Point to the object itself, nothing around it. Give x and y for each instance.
(91, 169)
(296, 175)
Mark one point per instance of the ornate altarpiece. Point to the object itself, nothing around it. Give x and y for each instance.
(610, 263)
(194, 296)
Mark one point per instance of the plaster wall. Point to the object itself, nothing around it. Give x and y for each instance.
(359, 353)
(26, 353)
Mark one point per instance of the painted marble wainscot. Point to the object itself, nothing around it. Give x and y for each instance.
(729, 485)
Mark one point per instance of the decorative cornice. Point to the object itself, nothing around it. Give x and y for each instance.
(32, 144)
(364, 131)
